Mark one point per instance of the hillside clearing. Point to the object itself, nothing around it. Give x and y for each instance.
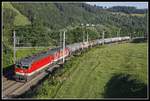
(20, 20)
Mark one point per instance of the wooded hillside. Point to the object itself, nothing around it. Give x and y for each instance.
(39, 24)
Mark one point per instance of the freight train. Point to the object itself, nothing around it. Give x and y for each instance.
(28, 67)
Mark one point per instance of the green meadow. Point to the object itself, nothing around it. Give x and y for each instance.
(110, 71)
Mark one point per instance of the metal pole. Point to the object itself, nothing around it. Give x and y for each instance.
(103, 37)
(82, 31)
(130, 36)
(18, 41)
(87, 36)
(83, 35)
(60, 39)
(14, 36)
(64, 48)
(134, 34)
(119, 32)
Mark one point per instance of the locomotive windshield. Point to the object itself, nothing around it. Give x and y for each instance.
(22, 66)
(17, 66)
(25, 67)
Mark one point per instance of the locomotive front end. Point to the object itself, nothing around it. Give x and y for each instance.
(20, 72)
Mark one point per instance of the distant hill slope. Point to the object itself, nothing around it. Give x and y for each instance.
(39, 24)
(20, 20)
(59, 15)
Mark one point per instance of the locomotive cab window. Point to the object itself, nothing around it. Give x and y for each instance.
(25, 67)
(17, 66)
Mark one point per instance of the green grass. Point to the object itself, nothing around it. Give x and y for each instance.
(20, 20)
(139, 15)
(99, 73)
(124, 14)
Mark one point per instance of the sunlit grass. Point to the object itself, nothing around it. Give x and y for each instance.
(87, 75)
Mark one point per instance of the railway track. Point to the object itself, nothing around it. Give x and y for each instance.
(26, 86)
(8, 84)
(4, 79)
(12, 89)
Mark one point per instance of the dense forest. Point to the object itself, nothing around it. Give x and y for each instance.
(40, 24)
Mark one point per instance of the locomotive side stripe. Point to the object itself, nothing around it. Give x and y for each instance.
(29, 74)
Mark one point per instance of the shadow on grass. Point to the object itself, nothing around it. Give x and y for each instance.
(8, 72)
(125, 86)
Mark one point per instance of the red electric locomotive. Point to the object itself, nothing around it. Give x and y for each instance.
(27, 67)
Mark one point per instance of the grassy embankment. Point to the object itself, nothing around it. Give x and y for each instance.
(106, 71)
(20, 20)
